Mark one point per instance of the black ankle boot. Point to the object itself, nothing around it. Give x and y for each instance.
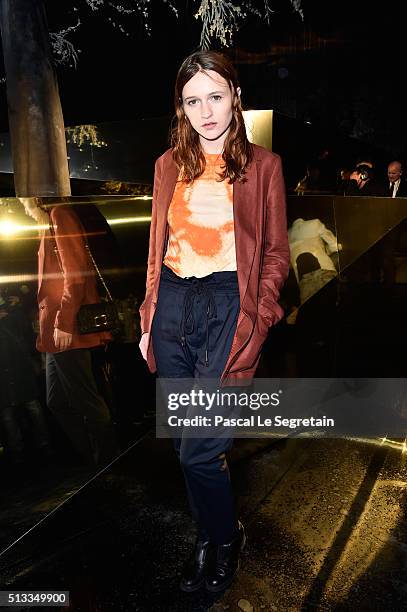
(194, 570)
(225, 563)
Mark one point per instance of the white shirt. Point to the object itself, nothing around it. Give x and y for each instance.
(395, 188)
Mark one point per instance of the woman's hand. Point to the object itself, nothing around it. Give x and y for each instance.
(144, 342)
(62, 340)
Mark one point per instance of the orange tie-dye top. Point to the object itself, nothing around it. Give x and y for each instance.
(200, 218)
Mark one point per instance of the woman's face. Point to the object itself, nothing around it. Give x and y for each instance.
(207, 102)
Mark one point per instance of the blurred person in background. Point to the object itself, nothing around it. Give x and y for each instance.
(396, 185)
(362, 182)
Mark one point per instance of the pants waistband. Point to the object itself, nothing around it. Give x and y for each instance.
(218, 282)
(224, 279)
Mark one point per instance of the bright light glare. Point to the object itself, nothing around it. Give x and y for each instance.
(7, 228)
(122, 220)
(10, 228)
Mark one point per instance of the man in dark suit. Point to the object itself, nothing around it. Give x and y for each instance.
(397, 186)
(382, 254)
(66, 280)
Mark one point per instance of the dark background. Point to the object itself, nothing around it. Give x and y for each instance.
(341, 68)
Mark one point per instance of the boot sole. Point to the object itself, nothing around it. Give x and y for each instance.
(191, 589)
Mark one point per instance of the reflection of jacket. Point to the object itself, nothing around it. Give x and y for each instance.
(61, 295)
(312, 237)
(262, 255)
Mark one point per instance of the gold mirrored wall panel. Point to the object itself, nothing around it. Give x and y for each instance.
(75, 390)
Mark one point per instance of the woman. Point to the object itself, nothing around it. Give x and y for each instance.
(66, 280)
(218, 257)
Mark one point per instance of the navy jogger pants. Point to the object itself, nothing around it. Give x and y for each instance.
(192, 333)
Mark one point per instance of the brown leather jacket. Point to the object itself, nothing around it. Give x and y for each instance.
(262, 255)
(61, 295)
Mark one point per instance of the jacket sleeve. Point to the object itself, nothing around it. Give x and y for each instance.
(276, 254)
(73, 258)
(152, 255)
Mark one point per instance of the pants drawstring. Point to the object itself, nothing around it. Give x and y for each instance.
(197, 288)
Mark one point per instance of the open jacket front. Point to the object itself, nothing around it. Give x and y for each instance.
(262, 256)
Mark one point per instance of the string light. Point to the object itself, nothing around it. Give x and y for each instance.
(84, 134)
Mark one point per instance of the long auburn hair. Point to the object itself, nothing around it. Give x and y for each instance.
(187, 150)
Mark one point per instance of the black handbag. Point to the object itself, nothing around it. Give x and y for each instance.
(102, 316)
(93, 318)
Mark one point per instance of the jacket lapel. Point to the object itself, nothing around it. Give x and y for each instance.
(168, 182)
(245, 219)
(41, 260)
